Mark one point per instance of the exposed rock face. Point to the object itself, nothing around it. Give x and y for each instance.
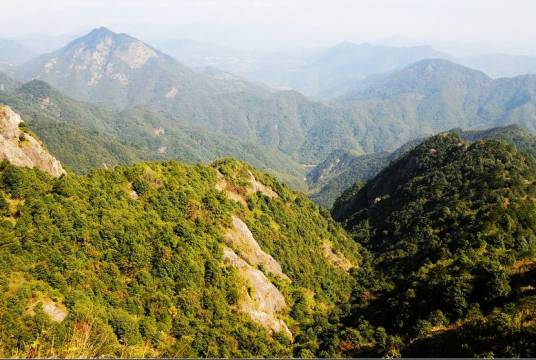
(22, 149)
(233, 194)
(100, 57)
(56, 311)
(223, 185)
(136, 54)
(257, 186)
(265, 300)
(241, 239)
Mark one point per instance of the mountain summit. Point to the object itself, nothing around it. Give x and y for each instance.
(102, 66)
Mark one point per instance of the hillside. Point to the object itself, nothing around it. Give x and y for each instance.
(86, 136)
(436, 95)
(329, 179)
(7, 83)
(451, 231)
(165, 259)
(341, 170)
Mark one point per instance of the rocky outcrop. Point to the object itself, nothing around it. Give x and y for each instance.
(241, 239)
(263, 302)
(257, 186)
(56, 311)
(22, 149)
(239, 196)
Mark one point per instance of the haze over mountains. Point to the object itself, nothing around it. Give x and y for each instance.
(386, 96)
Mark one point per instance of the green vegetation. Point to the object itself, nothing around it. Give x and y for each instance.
(434, 95)
(129, 262)
(85, 136)
(328, 180)
(451, 232)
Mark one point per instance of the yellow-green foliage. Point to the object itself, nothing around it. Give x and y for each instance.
(141, 274)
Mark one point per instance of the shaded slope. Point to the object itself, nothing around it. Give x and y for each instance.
(451, 231)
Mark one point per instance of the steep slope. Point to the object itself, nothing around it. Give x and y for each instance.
(329, 179)
(118, 70)
(21, 148)
(95, 136)
(163, 259)
(451, 231)
(341, 170)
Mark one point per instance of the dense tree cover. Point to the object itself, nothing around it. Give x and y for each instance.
(435, 95)
(134, 255)
(451, 231)
(329, 179)
(85, 136)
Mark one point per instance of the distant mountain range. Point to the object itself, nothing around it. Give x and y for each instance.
(436, 95)
(145, 99)
(119, 71)
(329, 72)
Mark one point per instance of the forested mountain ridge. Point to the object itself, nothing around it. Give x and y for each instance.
(341, 170)
(451, 231)
(85, 136)
(435, 95)
(166, 259)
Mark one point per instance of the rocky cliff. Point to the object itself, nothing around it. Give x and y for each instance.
(21, 148)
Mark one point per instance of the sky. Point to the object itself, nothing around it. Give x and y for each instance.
(502, 25)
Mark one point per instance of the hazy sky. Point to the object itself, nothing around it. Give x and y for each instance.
(503, 24)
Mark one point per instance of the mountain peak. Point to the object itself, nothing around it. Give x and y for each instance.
(100, 57)
(102, 31)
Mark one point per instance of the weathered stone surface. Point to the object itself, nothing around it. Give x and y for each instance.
(264, 301)
(22, 149)
(241, 239)
(56, 311)
(257, 186)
